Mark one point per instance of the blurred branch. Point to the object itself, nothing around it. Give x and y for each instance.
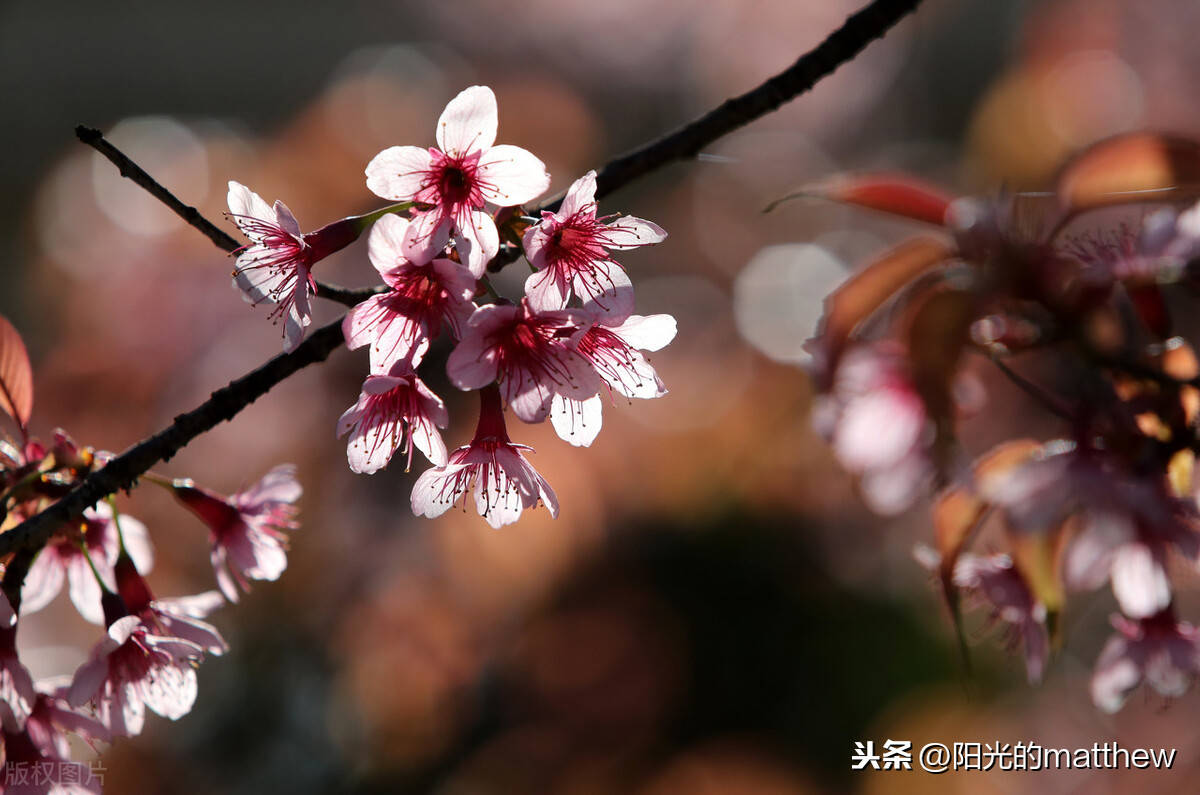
(132, 171)
(124, 470)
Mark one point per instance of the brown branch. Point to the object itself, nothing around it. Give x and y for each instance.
(840, 47)
(123, 471)
(132, 171)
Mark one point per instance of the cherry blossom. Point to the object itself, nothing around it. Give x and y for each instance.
(995, 583)
(177, 617)
(394, 412)
(43, 745)
(457, 180)
(504, 483)
(400, 323)
(62, 559)
(1158, 650)
(878, 426)
(132, 669)
(531, 353)
(569, 249)
(16, 685)
(611, 346)
(276, 265)
(247, 530)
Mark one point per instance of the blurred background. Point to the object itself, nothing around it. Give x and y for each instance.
(713, 611)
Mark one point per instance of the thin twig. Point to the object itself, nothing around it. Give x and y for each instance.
(124, 470)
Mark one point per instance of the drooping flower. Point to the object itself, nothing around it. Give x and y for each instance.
(1159, 650)
(131, 669)
(177, 617)
(878, 426)
(247, 530)
(1129, 521)
(570, 248)
(394, 412)
(996, 583)
(457, 180)
(276, 265)
(491, 466)
(612, 345)
(400, 324)
(16, 685)
(53, 717)
(531, 353)
(62, 559)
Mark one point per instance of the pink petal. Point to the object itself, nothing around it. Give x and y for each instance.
(630, 232)
(1139, 581)
(245, 206)
(577, 421)
(581, 193)
(427, 439)
(398, 172)
(1115, 676)
(85, 591)
(510, 175)
(385, 244)
(285, 220)
(469, 122)
(299, 317)
(605, 290)
(428, 499)
(546, 291)
(477, 242)
(43, 581)
(427, 234)
(647, 332)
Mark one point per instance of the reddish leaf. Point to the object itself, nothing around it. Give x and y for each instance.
(890, 193)
(16, 375)
(871, 287)
(1130, 168)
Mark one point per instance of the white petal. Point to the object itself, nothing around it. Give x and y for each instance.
(1139, 581)
(510, 175)
(469, 122)
(577, 421)
(630, 232)
(581, 193)
(397, 173)
(385, 244)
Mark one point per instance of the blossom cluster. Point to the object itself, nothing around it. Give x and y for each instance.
(1079, 312)
(147, 656)
(569, 342)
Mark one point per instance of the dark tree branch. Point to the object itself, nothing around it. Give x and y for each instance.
(838, 48)
(132, 171)
(123, 471)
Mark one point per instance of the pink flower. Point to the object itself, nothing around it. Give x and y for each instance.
(531, 353)
(248, 529)
(504, 483)
(570, 251)
(457, 180)
(132, 669)
(401, 323)
(63, 559)
(16, 685)
(52, 717)
(276, 264)
(178, 617)
(996, 583)
(1130, 522)
(611, 345)
(878, 426)
(394, 412)
(1163, 652)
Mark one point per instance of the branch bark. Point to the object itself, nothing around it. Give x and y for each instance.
(123, 471)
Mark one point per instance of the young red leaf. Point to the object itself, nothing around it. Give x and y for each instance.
(896, 194)
(864, 292)
(16, 375)
(1136, 167)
